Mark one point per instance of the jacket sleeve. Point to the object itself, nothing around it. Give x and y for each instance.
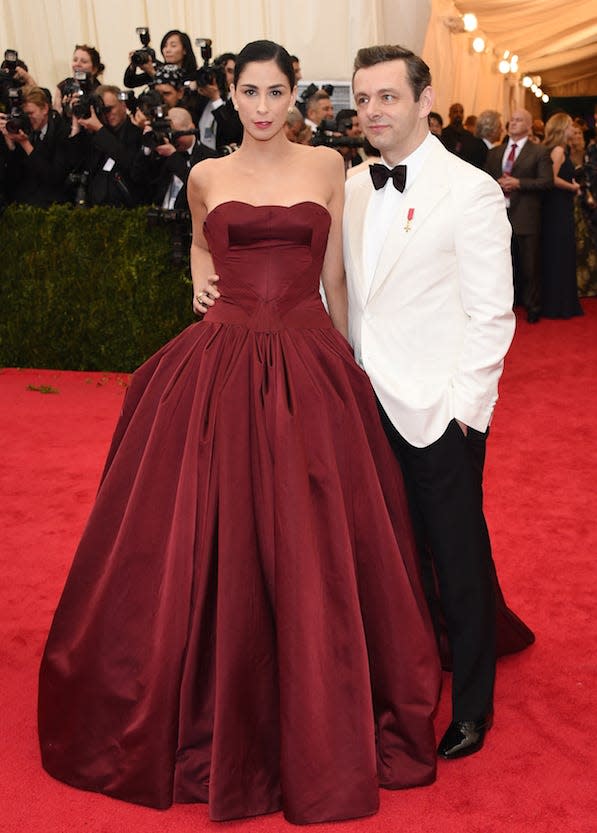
(482, 243)
(543, 174)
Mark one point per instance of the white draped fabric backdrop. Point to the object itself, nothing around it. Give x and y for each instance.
(325, 35)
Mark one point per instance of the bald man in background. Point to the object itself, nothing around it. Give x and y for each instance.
(524, 172)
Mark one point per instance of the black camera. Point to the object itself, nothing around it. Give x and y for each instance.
(18, 119)
(161, 128)
(328, 134)
(209, 73)
(313, 88)
(145, 55)
(9, 65)
(78, 89)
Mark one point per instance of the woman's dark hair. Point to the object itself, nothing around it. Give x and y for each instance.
(265, 50)
(189, 61)
(96, 62)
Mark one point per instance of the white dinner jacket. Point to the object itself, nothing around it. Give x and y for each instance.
(434, 326)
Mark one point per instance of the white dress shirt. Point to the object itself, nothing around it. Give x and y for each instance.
(384, 204)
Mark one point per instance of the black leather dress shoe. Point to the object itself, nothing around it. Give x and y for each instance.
(463, 737)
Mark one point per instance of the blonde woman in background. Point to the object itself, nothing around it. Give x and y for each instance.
(559, 294)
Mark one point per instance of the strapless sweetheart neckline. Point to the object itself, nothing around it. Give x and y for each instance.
(266, 205)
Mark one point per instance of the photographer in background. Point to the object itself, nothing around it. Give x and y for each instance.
(216, 117)
(318, 107)
(167, 157)
(102, 148)
(35, 151)
(142, 62)
(169, 83)
(347, 125)
(86, 59)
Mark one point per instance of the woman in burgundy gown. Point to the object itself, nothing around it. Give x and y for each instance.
(243, 623)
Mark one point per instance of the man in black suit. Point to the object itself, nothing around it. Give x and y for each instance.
(35, 157)
(167, 167)
(525, 172)
(106, 147)
(459, 141)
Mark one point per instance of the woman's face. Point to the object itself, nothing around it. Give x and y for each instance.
(38, 116)
(263, 96)
(82, 62)
(173, 50)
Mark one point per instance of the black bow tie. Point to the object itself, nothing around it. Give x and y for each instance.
(380, 175)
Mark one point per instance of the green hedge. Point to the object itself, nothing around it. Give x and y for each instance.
(87, 289)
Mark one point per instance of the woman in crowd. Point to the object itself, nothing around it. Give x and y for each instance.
(36, 163)
(176, 49)
(585, 216)
(243, 623)
(85, 59)
(559, 294)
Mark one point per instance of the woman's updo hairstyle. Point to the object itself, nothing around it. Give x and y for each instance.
(94, 55)
(265, 50)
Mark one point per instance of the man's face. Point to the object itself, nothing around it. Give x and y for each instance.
(115, 110)
(520, 124)
(170, 94)
(324, 109)
(388, 114)
(297, 71)
(38, 116)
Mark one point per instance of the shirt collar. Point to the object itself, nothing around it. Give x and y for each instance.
(415, 160)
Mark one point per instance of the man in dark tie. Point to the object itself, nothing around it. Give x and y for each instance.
(524, 171)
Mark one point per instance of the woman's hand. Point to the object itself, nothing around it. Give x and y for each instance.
(205, 298)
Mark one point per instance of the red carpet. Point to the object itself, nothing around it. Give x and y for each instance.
(538, 771)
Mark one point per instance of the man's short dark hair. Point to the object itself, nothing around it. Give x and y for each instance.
(343, 117)
(320, 95)
(418, 73)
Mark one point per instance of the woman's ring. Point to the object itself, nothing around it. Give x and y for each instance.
(199, 297)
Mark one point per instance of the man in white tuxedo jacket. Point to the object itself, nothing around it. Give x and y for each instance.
(430, 319)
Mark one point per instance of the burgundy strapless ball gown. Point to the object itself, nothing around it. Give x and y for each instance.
(243, 623)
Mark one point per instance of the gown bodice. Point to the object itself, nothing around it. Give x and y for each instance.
(269, 259)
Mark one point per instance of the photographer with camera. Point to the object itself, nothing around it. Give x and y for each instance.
(102, 148)
(176, 51)
(86, 64)
(170, 149)
(347, 126)
(14, 73)
(142, 62)
(217, 119)
(35, 150)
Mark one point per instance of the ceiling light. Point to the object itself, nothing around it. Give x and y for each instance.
(470, 22)
(479, 44)
(527, 81)
(545, 98)
(504, 66)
